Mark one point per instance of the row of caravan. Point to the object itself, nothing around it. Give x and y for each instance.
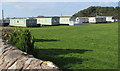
(101, 19)
(63, 20)
(41, 21)
(97, 19)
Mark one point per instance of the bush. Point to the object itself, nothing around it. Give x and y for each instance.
(22, 39)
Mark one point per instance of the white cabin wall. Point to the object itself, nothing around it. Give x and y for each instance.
(92, 20)
(64, 20)
(109, 19)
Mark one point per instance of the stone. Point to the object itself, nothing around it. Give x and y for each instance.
(12, 55)
(27, 63)
(9, 65)
(13, 58)
(35, 64)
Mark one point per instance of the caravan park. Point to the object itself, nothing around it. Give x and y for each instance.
(89, 46)
(88, 39)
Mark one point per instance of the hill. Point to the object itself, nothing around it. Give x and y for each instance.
(100, 11)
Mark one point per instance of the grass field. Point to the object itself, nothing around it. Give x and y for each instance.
(89, 46)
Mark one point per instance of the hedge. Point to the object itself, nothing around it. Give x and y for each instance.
(20, 38)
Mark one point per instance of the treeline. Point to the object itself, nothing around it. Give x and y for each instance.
(99, 11)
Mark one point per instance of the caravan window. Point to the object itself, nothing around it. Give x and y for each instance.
(17, 21)
(77, 19)
(55, 20)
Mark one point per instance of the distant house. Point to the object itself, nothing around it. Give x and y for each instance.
(110, 19)
(4, 22)
(23, 22)
(84, 19)
(69, 20)
(47, 20)
(97, 19)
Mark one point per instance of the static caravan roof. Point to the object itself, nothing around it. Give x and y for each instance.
(98, 17)
(20, 18)
(83, 17)
(110, 16)
(47, 17)
(65, 16)
(23, 18)
(73, 18)
(104, 16)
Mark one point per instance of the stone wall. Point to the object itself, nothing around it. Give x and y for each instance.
(13, 58)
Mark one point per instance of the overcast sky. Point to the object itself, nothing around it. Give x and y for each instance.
(20, 8)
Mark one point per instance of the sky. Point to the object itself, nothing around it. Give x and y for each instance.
(60, 0)
(24, 8)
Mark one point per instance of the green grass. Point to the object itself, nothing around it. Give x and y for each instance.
(89, 46)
